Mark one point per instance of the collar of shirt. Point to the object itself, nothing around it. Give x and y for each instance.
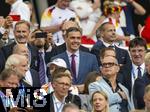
(134, 68)
(76, 53)
(56, 100)
(58, 105)
(42, 50)
(28, 77)
(107, 44)
(109, 83)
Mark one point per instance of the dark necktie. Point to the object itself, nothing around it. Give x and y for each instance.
(41, 69)
(139, 72)
(73, 66)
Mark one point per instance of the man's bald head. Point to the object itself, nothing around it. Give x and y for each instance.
(67, 25)
(21, 49)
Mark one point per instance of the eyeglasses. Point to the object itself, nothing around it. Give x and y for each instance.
(107, 65)
(62, 84)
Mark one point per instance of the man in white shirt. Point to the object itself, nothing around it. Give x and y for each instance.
(54, 17)
(18, 7)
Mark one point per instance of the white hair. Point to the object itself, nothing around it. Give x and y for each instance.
(14, 60)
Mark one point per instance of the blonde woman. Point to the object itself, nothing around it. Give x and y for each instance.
(99, 102)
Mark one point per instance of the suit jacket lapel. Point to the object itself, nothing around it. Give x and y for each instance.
(51, 103)
(81, 64)
(66, 58)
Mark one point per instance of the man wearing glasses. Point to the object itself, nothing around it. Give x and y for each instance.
(61, 83)
(117, 94)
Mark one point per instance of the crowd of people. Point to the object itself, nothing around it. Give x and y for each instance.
(47, 68)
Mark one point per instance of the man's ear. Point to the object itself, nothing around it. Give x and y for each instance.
(13, 67)
(1, 83)
(144, 98)
(53, 84)
(118, 68)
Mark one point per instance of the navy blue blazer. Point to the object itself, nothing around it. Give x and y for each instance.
(88, 63)
(139, 87)
(125, 77)
(122, 55)
(35, 78)
(6, 51)
(60, 49)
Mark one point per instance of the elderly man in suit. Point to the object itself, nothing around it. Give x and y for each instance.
(31, 75)
(21, 32)
(80, 63)
(118, 96)
(108, 37)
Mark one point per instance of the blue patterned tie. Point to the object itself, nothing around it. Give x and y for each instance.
(41, 69)
(73, 65)
(139, 72)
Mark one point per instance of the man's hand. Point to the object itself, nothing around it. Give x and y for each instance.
(122, 94)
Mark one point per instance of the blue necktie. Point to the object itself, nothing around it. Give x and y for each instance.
(41, 69)
(73, 66)
(139, 72)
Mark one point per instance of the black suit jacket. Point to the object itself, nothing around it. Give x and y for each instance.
(121, 54)
(6, 51)
(125, 77)
(139, 87)
(35, 78)
(49, 107)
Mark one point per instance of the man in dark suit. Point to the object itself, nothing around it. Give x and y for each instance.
(55, 101)
(80, 63)
(141, 83)
(21, 32)
(136, 69)
(61, 48)
(21, 61)
(108, 38)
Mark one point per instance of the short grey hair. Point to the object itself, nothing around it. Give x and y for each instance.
(6, 73)
(14, 60)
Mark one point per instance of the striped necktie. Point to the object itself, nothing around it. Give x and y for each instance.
(41, 69)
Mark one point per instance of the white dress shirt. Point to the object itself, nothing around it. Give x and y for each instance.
(20, 8)
(134, 71)
(58, 106)
(134, 75)
(28, 77)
